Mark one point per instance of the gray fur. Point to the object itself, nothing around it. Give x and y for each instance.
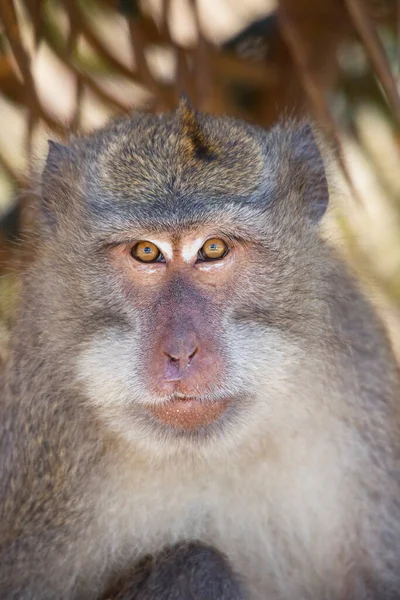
(299, 484)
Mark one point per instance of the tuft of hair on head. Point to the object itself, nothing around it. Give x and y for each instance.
(194, 142)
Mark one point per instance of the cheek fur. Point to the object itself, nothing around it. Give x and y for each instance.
(275, 394)
(106, 368)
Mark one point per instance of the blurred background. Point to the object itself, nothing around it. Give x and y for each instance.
(66, 66)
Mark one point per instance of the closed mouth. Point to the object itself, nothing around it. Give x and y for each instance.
(189, 412)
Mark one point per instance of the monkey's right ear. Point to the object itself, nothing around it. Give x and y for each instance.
(55, 190)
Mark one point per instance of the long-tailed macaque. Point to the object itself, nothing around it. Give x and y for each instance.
(199, 402)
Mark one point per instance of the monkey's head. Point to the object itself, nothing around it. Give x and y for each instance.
(181, 257)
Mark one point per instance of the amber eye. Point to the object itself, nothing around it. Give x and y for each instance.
(213, 249)
(146, 252)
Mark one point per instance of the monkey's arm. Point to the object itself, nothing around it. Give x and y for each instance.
(186, 570)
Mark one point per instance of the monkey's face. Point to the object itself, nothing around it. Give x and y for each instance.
(202, 336)
(185, 360)
(188, 276)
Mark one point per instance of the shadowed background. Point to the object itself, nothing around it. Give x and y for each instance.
(69, 65)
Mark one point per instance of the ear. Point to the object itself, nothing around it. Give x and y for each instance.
(55, 188)
(57, 154)
(309, 169)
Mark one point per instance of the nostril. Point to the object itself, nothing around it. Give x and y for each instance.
(180, 349)
(183, 359)
(172, 359)
(191, 356)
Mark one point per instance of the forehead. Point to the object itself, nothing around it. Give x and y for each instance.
(149, 161)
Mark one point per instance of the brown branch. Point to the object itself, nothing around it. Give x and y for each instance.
(76, 14)
(229, 67)
(10, 22)
(37, 22)
(11, 86)
(74, 31)
(72, 42)
(398, 36)
(138, 43)
(142, 76)
(184, 81)
(64, 57)
(164, 28)
(313, 90)
(9, 170)
(376, 53)
(11, 28)
(203, 84)
(30, 129)
(76, 117)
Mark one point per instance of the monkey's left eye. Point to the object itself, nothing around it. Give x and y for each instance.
(213, 249)
(146, 252)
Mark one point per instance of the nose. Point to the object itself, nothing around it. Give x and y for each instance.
(184, 361)
(180, 350)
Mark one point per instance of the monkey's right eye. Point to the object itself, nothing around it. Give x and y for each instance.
(146, 252)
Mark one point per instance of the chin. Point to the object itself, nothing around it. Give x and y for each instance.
(157, 431)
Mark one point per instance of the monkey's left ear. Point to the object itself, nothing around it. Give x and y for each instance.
(55, 187)
(310, 169)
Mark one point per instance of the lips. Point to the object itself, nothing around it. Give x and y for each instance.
(189, 412)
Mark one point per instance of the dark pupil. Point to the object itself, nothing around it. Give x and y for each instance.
(147, 250)
(213, 246)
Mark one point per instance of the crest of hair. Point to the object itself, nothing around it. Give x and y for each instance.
(193, 138)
